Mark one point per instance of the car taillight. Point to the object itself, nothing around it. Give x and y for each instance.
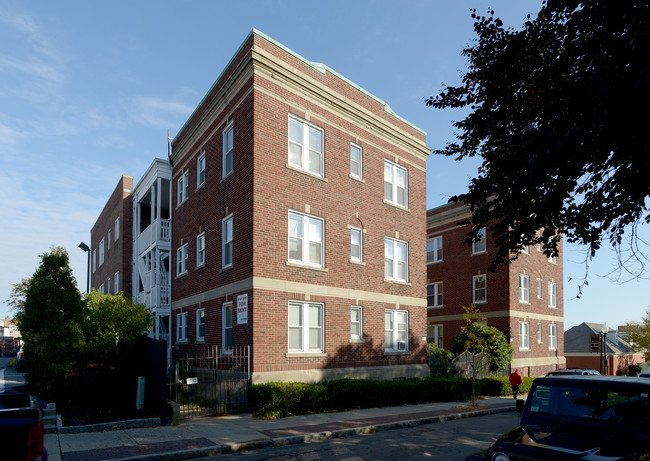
(35, 443)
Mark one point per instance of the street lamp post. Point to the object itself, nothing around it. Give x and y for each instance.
(86, 248)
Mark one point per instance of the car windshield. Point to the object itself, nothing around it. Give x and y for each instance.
(621, 405)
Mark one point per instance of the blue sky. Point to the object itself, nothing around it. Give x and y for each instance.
(88, 91)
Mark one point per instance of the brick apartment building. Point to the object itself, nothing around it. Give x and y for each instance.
(299, 223)
(522, 299)
(110, 242)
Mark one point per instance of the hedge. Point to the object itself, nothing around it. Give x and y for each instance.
(275, 400)
(500, 386)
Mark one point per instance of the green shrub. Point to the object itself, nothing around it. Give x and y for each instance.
(275, 400)
(500, 386)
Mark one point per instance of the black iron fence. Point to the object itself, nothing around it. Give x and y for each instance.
(210, 380)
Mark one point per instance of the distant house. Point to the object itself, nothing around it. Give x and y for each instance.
(619, 352)
(9, 337)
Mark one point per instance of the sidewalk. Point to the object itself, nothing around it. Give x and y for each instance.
(210, 436)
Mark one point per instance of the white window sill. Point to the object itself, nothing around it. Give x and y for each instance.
(397, 282)
(397, 205)
(434, 307)
(356, 178)
(357, 341)
(305, 266)
(524, 349)
(181, 341)
(308, 173)
(397, 352)
(358, 263)
(305, 354)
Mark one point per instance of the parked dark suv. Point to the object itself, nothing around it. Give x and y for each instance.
(573, 371)
(577, 417)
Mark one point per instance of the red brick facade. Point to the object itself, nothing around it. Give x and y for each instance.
(502, 305)
(264, 85)
(117, 251)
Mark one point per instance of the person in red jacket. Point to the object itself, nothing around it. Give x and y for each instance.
(516, 379)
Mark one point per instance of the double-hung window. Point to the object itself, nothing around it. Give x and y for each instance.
(183, 188)
(396, 330)
(524, 335)
(181, 260)
(552, 294)
(200, 324)
(306, 147)
(101, 289)
(356, 244)
(227, 150)
(395, 184)
(200, 170)
(524, 288)
(539, 333)
(479, 288)
(226, 242)
(356, 323)
(117, 228)
(226, 327)
(396, 260)
(305, 327)
(181, 327)
(356, 161)
(108, 286)
(434, 250)
(101, 252)
(200, 249)
(108, 240)
(539, 288)
(306, 237)
(116, 283)
(94, 260)
(552, 336)
(434, 294)
(434, 335)
(479, 245)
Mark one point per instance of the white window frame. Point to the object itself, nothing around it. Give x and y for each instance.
(117, 228)
(227, 231)
(540, 293)
(226, 326)
(200, 322)
(524, 288)
(480, 246)
(108, 240)
(392, 263)
(552, 294)
(476, 299)
(356, 164)
(101, 252)
(94, 260)
(434, 250)
(524, 336)
(437, 336)
(303, 148)
(552, 337)
(305, 236)
(228, 150)
(200, 249)
(391, 186)
(396, 330)
(182, 188)
(108, 286)
(436, 295)
(181, 260)
(181, 327)
(116, 283)
(356, 256)
(538, 235)
(306, 326)
(101, 289)
(200, 170)
(539, 333)
(358, 322)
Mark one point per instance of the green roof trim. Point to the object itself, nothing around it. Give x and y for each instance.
(322, 68)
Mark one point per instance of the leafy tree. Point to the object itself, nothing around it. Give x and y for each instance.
(638, 334)
(49, 318)
(112, 321)
(487, 345)
(552, 115)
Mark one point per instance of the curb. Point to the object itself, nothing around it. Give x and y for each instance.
(314, 437)
(126, 424)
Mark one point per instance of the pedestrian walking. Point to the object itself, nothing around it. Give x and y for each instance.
(516, 379)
